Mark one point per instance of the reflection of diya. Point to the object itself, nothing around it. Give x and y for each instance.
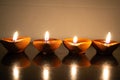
(99, 60)
(77, 45)
(75, 58)
(15, 44)
(47, 44)
(20, 60)
(105, 47)
(48, 59)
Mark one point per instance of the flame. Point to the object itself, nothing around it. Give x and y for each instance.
(46, 36)
(15, 73)
(75, 39)
(15, 36)
(108, 38)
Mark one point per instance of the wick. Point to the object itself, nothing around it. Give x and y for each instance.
(14, 40)
(106, 44)
(46, 41)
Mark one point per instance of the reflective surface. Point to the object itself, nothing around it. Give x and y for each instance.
(58, 65)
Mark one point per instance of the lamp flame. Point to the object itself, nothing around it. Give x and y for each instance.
(46, 36)
(75, 39)
(108, 38)
(15, 36)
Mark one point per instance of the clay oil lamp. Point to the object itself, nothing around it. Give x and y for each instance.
(47, 44)
(16, 44)
(77, 45)
(105, 47)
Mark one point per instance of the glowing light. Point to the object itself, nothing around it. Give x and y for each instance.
(75, 39)
(108, 38)
(45, 73)
(15, 36)
(73, 71)
(106, 72)
(46, 36)
(15, 73)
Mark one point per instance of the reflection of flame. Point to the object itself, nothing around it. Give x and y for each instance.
(46, 36)
(73, 71)
(108, 38)
(15, 73)
(75, 39)
(45, 73)
(106, 72)
(15, 36)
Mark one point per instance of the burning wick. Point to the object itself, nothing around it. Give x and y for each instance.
(15, 36)
(108, 38)
(46, 36)
(75, 39)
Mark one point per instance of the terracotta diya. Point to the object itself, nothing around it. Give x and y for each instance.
(47, 44)
(79, 45)
(103, 46)
(16, 44)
